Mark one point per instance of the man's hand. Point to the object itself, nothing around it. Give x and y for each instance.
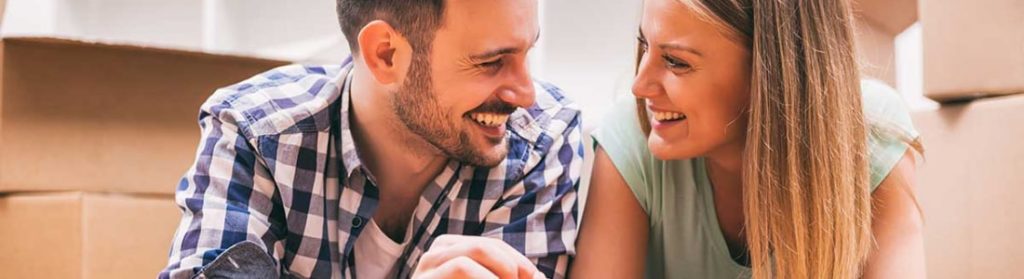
(460, 256)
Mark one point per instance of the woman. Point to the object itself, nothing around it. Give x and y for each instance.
(758, 153)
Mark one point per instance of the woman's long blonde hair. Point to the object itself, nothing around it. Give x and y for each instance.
(806, 195)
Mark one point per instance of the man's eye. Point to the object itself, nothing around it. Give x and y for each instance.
(495, 64)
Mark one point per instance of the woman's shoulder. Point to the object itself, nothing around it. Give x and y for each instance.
(882, 104)
(619, 132)
(890, 126)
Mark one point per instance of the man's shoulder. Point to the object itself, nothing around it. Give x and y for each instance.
(292, 98)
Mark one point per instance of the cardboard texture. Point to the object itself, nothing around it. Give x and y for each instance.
(95, 117)
(892, 16)
(969, 187)
(81, 235)
(972, 48)
(876, 25)
(876, 52)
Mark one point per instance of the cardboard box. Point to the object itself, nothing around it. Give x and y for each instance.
(892, 16)
(876, 25)
(81, 235)
(104, 118)
(970, 186)
(876, 52)
(972, 48)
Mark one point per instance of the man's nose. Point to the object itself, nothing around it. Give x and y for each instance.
(519, 91)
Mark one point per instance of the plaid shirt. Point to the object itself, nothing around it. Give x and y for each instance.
(276, 166)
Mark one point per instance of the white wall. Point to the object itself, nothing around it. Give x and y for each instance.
(29, 17)
(270, 28)
(589, 50)
(909, 69)
(265, 28)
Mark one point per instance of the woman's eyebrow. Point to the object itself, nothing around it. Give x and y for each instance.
(670, 46)
(680, 47)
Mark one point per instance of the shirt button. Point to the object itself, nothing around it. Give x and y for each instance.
(357, 222)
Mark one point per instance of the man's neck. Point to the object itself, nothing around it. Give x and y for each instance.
(402, 162)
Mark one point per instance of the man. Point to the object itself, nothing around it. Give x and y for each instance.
(430, 153)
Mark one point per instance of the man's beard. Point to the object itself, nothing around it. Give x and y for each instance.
(417, 107)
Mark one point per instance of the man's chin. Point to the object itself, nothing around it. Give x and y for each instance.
(487, 156)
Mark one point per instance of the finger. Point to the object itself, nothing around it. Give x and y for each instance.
(530, 272)
(539, 275)
(526, 267)
(462, 267)
(486, 253)
(437, 253)
(491, 256)
(446, 240)
(432, 258)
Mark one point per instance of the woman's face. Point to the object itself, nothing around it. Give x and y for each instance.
(695, 80)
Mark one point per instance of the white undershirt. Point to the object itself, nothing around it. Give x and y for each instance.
(376, 254)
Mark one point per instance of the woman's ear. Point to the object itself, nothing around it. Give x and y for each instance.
(386, 53)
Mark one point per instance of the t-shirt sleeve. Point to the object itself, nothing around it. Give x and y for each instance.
(889, 125)
(621, 137)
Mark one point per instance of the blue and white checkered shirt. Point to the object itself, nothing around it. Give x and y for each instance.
(276, 166)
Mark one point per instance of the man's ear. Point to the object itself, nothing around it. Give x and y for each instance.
(386, 53)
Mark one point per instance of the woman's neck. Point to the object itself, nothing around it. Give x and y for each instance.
(725, 167)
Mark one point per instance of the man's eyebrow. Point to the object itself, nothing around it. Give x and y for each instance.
(503, 51)
(494, 53)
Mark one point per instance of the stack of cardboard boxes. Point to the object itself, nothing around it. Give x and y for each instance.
(971, 178)
(93, 141)
(971, 182)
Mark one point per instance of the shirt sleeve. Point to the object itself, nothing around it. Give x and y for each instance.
(225, 196)
(541, 210)
(890, 128)
(621, 137)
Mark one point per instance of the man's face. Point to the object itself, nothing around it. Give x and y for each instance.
(461, 97)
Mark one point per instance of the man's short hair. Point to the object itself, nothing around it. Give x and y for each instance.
(417, 20)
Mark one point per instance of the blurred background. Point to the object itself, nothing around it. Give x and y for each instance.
(99, 100)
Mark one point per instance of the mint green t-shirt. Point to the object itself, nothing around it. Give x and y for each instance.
(685, 238)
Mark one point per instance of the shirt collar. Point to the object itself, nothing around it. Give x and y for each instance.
(349, 155)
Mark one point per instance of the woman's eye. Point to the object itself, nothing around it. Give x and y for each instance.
(675, 63)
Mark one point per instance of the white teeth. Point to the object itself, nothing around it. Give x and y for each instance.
(668, 116)
(489, 119)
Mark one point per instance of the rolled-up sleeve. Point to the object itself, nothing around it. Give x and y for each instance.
(225, 196)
